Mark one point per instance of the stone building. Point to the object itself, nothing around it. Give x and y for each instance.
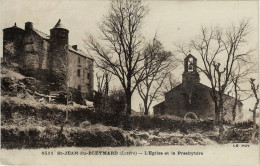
(49, 57)
(191, 98)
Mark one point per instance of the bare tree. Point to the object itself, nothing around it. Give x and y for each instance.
(101, 97)
(65, 76)
(254, 88)
(220, 51)
(161, 62)
(141, 108)
(240, 76)
(121, 44)
(62, 72)
(168, 84)
(103, 82)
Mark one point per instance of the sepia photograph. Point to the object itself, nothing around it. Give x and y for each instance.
(129, 82)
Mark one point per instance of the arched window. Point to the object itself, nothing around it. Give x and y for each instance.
(190, 64)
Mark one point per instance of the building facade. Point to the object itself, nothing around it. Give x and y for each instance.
(193, 98)
(49, 57)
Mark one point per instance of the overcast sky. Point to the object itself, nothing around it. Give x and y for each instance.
(174, 21)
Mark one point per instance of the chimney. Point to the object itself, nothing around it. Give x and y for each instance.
(75, 47)
(28, 25)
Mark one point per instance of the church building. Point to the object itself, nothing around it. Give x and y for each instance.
(192, 99)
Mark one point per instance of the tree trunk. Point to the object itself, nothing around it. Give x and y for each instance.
(107, 85)
(221, 107)
(128, 103)
(67, 103)
(221, 131)
(234, 111)
(146, 111)
(235, 104)
(255, 90)
(128, 95)
(254, 125)
(254, 117)
(217, 115)
(221, 112)
(221, 119)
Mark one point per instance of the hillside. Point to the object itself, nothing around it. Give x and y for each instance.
(28, 123)
(5, 72)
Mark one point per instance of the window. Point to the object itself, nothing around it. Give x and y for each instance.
(79, 87)
(88, 76)
(78, 72)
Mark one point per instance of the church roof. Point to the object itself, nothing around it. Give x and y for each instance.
(59, 25)
(161, 103)
(190, 56)
(226, 95)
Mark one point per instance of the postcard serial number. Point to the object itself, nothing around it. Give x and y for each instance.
(46, 153)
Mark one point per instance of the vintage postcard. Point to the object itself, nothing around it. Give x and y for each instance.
(129, 82)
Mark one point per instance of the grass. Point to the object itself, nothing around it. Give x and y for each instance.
(37, 137)
(55, 113)
(30, 102)
(26, 123)
(10, 73)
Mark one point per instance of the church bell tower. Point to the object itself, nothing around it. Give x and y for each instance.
(190, 74)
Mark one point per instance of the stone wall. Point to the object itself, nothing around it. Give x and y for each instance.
(228, 105)
(45, 46)
(12, 44)
(90, 67)
(78, 63)
(47, 58)
(159, 108)
(186, 98)
(58, 55)
(195, 98)
(35, 55)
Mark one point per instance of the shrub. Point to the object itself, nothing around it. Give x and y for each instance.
(37, 137)
(78, 114)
